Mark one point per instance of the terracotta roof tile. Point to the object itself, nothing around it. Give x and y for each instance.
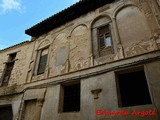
(66, 15)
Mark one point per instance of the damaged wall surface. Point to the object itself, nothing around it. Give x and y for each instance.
(98, 50)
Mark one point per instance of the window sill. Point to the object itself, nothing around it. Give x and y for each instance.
(10, 61)
(146, 106)
(104, 59)
(38, 77)
(73, 112)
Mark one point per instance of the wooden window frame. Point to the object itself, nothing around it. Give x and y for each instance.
(105, 50)
(38, 60)
(11, 60)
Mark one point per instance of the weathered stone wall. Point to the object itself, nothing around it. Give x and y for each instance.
(14, 101)
(71, 47)
(107, 98)
(20, 69)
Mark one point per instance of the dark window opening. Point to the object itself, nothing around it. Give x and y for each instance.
(12, 57)
(42, 62)
(6, 113)
(71, 100)
(104, 40)
(133, 89)
(8, 69)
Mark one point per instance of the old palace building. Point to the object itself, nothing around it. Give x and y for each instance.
(94, 56)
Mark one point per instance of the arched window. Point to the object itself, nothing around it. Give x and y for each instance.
(41, 57)
(42, 61)
(102, 37)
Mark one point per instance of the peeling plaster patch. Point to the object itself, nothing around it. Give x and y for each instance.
(62, 56)
(140, 48)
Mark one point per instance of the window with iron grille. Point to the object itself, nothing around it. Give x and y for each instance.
(104, 40)
(42, 61)
(132, 88)
(8, 69)
(71, 97)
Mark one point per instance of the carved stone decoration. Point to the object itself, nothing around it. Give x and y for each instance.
(96, 93)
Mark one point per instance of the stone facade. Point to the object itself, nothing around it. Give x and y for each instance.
(73, 56)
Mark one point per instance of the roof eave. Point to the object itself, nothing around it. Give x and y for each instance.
(68, 14)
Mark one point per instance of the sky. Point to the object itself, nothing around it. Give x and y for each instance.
(18, 15)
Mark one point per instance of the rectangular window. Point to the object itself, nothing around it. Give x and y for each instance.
(8, 69)
(42, 61)
(6, 112)
(71, 97)
(132, 88)
(29, 110)
(104, 40)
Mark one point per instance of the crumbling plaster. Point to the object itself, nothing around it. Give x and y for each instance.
(72, 38)
(136, 33)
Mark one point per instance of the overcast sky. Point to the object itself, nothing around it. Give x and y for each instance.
(18, 15)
